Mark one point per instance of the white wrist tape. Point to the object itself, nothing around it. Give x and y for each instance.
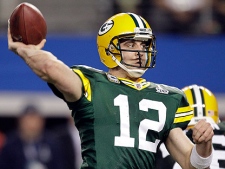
(199, 162)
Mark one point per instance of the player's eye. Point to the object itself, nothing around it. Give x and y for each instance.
(130, 45)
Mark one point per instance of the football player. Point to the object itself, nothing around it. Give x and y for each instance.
(205, 106)
(120, 116)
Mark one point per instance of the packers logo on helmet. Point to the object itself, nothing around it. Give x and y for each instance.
(105, 27)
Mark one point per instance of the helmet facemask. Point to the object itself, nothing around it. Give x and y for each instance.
(144, 35)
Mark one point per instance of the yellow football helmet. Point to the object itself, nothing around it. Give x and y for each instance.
(124, 26)
(203, 103)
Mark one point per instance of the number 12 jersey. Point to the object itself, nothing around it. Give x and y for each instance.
(121, 123)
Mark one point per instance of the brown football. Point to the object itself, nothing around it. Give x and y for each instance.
(27, 24)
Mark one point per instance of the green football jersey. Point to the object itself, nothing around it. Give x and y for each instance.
(121, 123)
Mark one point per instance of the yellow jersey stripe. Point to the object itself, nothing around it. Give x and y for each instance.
(183, 116)
(86, 84)
(139, 85)
(183, 109)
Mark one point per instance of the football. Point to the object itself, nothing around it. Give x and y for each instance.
(27, 24)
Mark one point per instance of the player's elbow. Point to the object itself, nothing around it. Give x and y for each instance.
(48, 70)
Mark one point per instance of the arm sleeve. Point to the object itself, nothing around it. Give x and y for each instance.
(183, 114)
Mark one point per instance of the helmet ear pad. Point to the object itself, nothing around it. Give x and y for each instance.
(111, 54)
(107, 60)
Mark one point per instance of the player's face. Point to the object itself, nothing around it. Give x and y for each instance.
(135, 56)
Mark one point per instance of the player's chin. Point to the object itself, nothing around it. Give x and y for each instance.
(136, 67)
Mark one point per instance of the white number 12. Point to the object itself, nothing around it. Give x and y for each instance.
(124, 140)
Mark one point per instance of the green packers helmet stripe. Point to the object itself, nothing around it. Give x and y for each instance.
(138, 20)
(194, 102)
(203, 102)
(198, 101)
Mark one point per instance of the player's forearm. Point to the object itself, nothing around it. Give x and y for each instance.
(52, 70)
(41, 62)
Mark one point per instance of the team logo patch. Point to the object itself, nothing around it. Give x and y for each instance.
(105, 27)
(160, 90)
(138, 85)
(112, 78)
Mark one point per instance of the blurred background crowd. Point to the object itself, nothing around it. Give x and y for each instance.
(73, 25)
(196, 17)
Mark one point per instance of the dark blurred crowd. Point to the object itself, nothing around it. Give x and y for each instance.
(33, 145)
(198, 17)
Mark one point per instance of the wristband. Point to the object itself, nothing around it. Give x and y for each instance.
(199, 162)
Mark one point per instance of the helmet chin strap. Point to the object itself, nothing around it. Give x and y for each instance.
(135, 73)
